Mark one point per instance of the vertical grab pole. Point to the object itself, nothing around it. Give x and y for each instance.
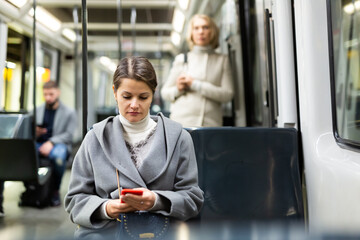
(84, 66)
(133, 32)
(119, 20)
(76, 58)
(34, 56)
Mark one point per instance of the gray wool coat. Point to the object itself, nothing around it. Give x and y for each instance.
(170, 170)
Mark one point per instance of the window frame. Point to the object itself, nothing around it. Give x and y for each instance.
(342, 142)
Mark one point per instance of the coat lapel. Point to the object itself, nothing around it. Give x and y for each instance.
(155, 161)
(115, 149)
(158, 159)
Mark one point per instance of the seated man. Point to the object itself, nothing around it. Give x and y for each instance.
(56, 124)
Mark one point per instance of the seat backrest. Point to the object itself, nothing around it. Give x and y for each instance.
(248, 173)
(16, 125)
(18, 161)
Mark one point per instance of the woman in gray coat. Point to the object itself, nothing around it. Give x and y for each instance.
(134, 150)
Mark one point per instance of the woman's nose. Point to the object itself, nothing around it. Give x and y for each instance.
(134, 103)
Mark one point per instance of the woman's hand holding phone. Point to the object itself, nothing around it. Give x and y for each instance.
(139, 198)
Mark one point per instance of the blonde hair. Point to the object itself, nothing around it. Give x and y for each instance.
(214, 31)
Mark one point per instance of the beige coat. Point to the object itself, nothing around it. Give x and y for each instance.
(200, 107)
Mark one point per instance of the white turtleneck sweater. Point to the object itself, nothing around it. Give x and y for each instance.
(136, 132)
(138, 137)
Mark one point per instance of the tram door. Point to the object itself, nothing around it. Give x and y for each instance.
(258, 51)
(270, 93)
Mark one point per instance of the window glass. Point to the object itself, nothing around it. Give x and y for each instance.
(345, 23)
(12, 72)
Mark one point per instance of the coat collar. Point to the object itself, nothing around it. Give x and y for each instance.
(110, 136)
(155, 161)
(166, 138)
(114, 147)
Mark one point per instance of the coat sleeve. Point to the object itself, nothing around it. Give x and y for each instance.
(187, 198)
(169, 91)
(81, 200)
(69, 120)
(225, 91)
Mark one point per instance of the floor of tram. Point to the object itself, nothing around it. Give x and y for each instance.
(21, 223)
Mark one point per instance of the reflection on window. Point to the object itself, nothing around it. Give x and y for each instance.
(11, 91)
(346, 49)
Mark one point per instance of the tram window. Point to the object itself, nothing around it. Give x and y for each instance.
(12, 72)
(345, 71)
(46, 69)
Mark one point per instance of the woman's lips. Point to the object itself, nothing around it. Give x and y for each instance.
(133, 113)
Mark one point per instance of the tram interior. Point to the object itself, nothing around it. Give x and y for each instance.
(156, 30)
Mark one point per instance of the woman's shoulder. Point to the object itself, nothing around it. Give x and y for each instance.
(168, 123)
(220, 54)
(213, 53)
(103, 122)
(99, 127)
(171, 124)
(180, 58)
(100, 130)
(220, 57)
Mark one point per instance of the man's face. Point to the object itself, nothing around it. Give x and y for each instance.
(51, 96)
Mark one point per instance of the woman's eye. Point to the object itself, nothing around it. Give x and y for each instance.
(143, 98)
(126, 97)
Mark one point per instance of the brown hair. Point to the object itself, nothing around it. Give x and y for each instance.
(50, 84)
(214, 36)
(137, 68)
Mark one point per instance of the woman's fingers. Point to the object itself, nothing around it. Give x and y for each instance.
(114, 207)
(140, 202)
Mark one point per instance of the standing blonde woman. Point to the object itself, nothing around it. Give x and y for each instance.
(200, 81)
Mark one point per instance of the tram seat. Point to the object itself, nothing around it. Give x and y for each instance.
(19, 161)
(248, 173)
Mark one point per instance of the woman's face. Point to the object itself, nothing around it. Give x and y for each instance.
(133, 99)
(201, 32)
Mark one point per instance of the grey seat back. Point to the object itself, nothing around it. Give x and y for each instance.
(18, 160)
(18, 157)
(248, 173)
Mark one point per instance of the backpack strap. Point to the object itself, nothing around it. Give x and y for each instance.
(185, 57)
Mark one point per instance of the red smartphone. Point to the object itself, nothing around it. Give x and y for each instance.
(131, 191)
